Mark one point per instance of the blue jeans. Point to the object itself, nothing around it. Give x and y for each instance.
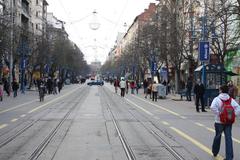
(227, 129)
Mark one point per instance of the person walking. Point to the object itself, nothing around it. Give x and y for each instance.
(232, 90)
(199, 90)
(6, 86)
(122, 87)
(60, 85)
(15, 87)
(116, 84)
(189, 89)
(132, 86)
(127, 86)
(217, 108)
(154, 91)
(149, 90)
(1, 91)
(55, 86)
(138, 86)
(145, 85)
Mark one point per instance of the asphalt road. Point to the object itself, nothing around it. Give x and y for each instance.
(94, 123)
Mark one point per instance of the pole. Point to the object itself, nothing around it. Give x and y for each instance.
(23, 64)
(204, 38)
(191, 38)
(11, 44)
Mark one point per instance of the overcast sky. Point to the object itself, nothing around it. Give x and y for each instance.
(111, 15)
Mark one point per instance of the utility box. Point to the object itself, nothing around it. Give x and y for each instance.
(215, 76)
(162, 90)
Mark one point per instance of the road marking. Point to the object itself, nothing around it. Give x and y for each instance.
(10, 109)
(160, 107)
(183, 117)
(199, 124)
(3, 126)
(41, 106)
(210, 129)
(195, 142)
(144, 110)
(23, 115)
(14, 120)
(19, 106)
(165, 123)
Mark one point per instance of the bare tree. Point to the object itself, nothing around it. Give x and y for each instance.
(223, 27)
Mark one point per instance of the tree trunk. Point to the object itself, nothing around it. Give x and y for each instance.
(177, 80)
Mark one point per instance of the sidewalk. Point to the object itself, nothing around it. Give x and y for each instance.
(27, 96)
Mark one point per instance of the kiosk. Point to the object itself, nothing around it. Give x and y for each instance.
(216, 75)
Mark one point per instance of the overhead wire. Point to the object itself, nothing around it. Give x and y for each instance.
(69, 18)
(119, 18)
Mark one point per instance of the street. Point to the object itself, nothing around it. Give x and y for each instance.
(94, 123)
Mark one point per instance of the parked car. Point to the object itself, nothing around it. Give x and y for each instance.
(96, 82)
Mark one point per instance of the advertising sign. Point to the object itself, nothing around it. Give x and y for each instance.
(204, 51)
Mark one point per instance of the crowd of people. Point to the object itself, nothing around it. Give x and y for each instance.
(226, 98)
(51, 86)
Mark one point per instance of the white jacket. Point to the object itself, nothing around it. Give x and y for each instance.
(217, 104)
(122, 84)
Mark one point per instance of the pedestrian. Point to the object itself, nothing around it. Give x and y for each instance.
(60, 85)
(49, 85)
(138, 86)
(55, 86)
(154, 91)
(232, 90)
(145, 85)
(189, 89)
(217, 106)
(132, 86)
(15, 87)
(127, 86)
(6, 86)
(1, 91)
(122, 87)
(149, 90)
(199, 90)
(116, 84)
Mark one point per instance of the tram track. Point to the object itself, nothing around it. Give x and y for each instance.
(129, 153)
(42, 146)
(13, 136)
(155, 134)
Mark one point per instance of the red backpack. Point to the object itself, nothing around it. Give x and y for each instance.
(227, 114)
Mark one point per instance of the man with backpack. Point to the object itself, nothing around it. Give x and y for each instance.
(225, 108)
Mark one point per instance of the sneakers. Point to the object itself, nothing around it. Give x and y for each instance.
(204, 111)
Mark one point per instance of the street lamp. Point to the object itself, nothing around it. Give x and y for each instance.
(94, 24)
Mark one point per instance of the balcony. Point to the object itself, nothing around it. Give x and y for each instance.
(24, 23)
(25, 8)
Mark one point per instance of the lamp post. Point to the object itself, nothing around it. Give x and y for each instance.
(153, 63)
(23, 50)
(11, 43)
(204, 44)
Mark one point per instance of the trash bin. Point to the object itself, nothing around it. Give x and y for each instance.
(162, 91)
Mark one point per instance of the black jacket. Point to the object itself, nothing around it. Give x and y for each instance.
(199, 89)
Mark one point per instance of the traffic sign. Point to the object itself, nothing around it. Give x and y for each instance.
(203, 49)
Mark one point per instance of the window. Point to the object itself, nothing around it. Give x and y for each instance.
(36, 2)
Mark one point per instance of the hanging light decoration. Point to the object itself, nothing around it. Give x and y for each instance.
(94, 24)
